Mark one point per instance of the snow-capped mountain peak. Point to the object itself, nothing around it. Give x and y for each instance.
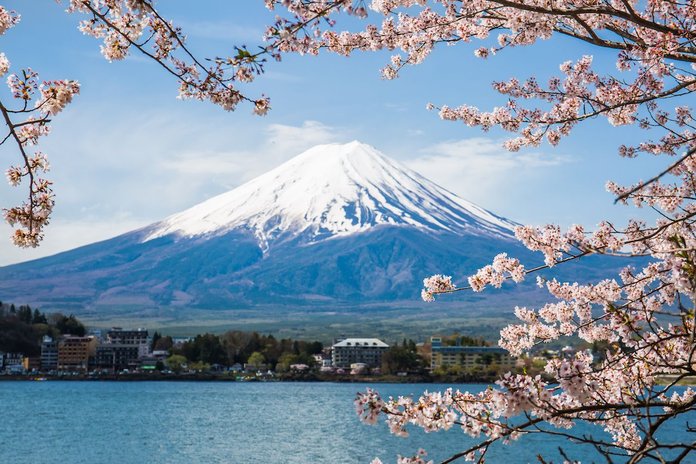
(330, 191)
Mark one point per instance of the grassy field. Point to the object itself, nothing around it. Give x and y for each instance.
(388, 322)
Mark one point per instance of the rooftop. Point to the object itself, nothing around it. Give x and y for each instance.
(361, 342)
(469, 349)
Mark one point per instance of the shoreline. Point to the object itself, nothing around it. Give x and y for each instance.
(203, 377)
(211, 377)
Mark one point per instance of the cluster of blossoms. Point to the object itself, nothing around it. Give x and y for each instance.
(521, 403)
(8, 19)
(419, 458)
(436, 284)
(125, 25)
(49, 98)
(495, 274)
(56, 95)
(368, 406)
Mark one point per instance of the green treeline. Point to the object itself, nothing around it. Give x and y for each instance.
(235, 346)
(22, 328)
(463, 340)
(403, 358)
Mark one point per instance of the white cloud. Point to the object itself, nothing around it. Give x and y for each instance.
(203, 164)
(286, 140)
(481, 170)
(123, 173)
(62, 235)
(280, 143)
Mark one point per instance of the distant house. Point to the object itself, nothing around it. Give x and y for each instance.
(468, 357)
(358, 368)
(161, 355)
(255, 367)
(236, 367)
(367, 351)
(322, 360)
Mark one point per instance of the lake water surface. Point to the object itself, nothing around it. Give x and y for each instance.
(219, 422)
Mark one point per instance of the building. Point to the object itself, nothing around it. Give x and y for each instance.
(349, 351)
(31, 363)
(117, 356)
(150, 363)
(131, 337)
(322, 360)
(74, 353)
(160, 355)
(13, 363)
(123, 349)
(468, 357)
(49, 354)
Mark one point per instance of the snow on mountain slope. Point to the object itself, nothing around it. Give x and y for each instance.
(332, 191)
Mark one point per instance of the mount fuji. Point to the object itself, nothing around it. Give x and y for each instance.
(339, 223)
(332, 191)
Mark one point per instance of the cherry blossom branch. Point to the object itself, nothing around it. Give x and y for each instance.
(29, 221)
(657, 177)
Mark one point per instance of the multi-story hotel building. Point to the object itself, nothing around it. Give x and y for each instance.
(130, 337)
(367, 351)
(74, 352)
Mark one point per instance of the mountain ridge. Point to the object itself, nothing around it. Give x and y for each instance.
(332, 190)
(339, 223)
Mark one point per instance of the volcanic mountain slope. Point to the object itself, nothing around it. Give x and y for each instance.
(333, 191)
(338, 223)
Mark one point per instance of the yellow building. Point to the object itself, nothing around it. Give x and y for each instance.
(468, 357)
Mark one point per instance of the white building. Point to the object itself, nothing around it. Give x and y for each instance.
(130, 337)
(358, 350)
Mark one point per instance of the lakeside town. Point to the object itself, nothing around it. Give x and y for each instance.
(56, 346)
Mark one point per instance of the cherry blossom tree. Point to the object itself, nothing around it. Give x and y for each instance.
(645, 316)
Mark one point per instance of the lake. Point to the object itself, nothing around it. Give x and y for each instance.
(220, 422)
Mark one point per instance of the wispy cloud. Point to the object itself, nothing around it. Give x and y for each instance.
(117, 176)
(481, 170)
(64, 235)
(290, 139)
(278, 143)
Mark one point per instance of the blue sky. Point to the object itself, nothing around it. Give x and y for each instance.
(127, 153)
